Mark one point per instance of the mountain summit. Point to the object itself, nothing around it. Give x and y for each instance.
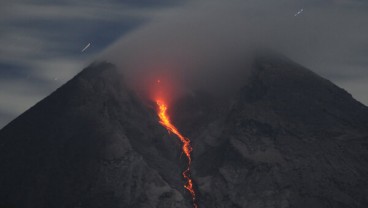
(287, 138)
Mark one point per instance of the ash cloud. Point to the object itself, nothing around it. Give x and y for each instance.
(209, 43)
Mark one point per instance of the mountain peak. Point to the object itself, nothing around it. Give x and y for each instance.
(287, 138)
(298, 94)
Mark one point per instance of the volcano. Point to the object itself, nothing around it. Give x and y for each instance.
(286, 138)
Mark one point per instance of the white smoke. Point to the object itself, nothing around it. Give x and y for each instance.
(208, 43)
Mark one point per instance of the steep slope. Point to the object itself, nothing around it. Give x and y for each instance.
(288, 138)
(90, 144)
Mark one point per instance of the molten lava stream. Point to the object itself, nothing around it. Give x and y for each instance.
(187, 148)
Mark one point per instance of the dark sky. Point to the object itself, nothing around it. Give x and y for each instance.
(41, 41)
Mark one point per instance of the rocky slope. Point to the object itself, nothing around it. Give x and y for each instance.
(288, 138)
(90, 144)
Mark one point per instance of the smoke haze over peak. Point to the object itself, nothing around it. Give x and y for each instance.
(210, 41)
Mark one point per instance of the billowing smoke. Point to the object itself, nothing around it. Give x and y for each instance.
(209, 43)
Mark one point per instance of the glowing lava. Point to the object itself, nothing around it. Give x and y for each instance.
(187, 148)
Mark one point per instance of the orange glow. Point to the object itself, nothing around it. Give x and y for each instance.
(187, 148)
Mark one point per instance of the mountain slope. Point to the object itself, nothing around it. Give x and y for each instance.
(289, 138)
(90, 144)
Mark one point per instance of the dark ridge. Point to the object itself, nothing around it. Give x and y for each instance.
(91, 143)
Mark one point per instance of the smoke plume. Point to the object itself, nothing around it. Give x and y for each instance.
(208, 44)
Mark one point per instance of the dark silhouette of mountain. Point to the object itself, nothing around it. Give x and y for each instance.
(287, 138)
(91, 143)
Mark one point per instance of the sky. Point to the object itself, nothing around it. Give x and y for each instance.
(42, 41)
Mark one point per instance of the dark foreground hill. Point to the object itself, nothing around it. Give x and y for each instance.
(287, 138)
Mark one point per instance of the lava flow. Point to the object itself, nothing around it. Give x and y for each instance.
(187, 148)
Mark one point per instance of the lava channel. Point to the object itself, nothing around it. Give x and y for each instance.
(187, 148)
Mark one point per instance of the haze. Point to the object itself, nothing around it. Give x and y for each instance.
(193, 40)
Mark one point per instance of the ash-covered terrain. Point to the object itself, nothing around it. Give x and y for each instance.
(288, 138)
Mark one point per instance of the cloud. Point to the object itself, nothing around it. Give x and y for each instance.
(41, 43)
(41, 40)
(328, 37)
